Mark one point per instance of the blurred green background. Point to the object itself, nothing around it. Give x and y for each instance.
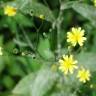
(29, 64)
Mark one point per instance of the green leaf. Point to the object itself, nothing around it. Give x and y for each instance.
(2, 65)
(94, 93)
(24, 86)
(37, 9)
(67, 5)
(88, 60)
(31, 64)
(11, 24)
(87, 11)
(9, 46)
(8, 82)
(23, 20)
(44, 49)
(43, 82)
(36, 85)
(35, 64)
(15, 69)
(64, 94)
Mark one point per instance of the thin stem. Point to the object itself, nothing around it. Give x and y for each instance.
(38, 33)
(46, 3)
(27, 38)
(58, 25)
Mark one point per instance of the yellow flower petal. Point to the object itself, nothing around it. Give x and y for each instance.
(83, 75)
(76, 36)
(9, 10)
(67, 64)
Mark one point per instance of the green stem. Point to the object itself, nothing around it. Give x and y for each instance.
(27, 38)
(38, 34)
(58, 25)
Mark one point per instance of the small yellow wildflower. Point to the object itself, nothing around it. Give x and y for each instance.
(1, 53)
(41, 16)
(83, 75)
(9, 10)
(94, 1)
(68, 64)
(76, 36)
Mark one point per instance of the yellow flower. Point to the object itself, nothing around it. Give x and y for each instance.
(41, 16)
(76, 36)
(94, 1)
(83, 75)
(67, 64)
(9, 10)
